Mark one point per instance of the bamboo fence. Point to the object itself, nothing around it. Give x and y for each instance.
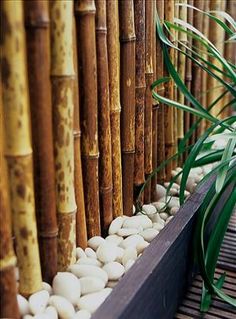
(81, 132)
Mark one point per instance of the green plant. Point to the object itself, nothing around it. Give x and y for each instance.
(201, 153)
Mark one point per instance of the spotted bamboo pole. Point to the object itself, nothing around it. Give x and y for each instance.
(63, 75)
(127, 89)
(140, 86)
(188, 76)
(18, 148)
(85, 24)
(104, 127)
(169, 93)
(81, 227)
(160, 90)
(113, 47)
(38, 49)
(8, 307)
(149, 29)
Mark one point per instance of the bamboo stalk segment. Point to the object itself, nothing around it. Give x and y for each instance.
(81, 227)
(169, 93)
(160, 90)
(38, 48)
(18, 147)
(62, 75)
(149, 29)
(113, 48)
(8, 290)
(140, 86)
(104, 127)
(85, 24)
(127, 83)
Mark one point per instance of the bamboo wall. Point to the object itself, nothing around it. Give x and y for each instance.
(81, 132)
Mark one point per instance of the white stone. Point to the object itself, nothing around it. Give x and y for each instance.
(158, 226)
(67, 285)
(107, 252)
(112, 283)
(149, 234)
(160, 206)
(95, 242)
(141, 246)
(91, 284)
(164, 216)
(80, 253)
(88, 270)
(124, 232)
(63, 306)
(173, 192)
(131, 241)
(160, 192)
(89, 261)
(114, 270)
(91, 302)
(23, 305)
(47, 287)
(120, 253)
(42, 316)
(90, 253)
(137, 221)
(52, 312)
(115, 239)
(115, 225)
(82, 314)
(38, 301)
(174, 185)
(129, 253)
(190, 185)
(174, 210)
(129, 264)
(169, 219)
(173, 202)
(134, 209)
(149, 209)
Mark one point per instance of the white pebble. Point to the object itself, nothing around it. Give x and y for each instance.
(160, 206)
(174, 210)
(158, 226)
(107, 252)
(120, 253)
(112, 283)
(80, 253)
(63, 306)
(38, 301)
(149, 234)
(115, 239)
(82, 314)
(134, 209)
(89, 261)
(149, 209)
(114, 270)
(91, 302)
(88, 270)
(52, 312)
(129, 264)
(23, 305)
(91, 284)
(174, 185)
(164, 216)
(169, 219)
(137, 221)
(42, 316)
(129, 253)
(90, 253)
(141, 246)
(173, 192)
(131, 241)
(67, 285)
(124, 232)
(115, 225)
(47, 287)
(95, 242)
(160, 192)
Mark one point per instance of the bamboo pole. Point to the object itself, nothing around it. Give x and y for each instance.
(160, 90)
(38, 48)
(127, 83)
(104, 127)
(140, 86)
(149, 29)
(113, 48)
(9, 307)
(18, 147)
(62, 75)
(169, 93)
(81, 228)
(85, 24)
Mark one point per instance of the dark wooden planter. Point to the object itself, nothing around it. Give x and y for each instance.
(156, 283)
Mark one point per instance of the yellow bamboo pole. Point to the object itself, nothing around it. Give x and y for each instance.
(62, 75)
(113, 47)
(18, 148)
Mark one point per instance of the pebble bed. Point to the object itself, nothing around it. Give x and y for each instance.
(78, 292)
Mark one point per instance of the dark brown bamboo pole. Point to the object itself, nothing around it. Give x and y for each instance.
(18, 150)
(38, 48)
(188, 76)
(127, 86)
(81, 228)
(149, 29)
(85, 24)
(140, 86)
(113, 47)
(161, 108)
(104, 127)
(63, 75)
(8, 304)
(169, 93)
